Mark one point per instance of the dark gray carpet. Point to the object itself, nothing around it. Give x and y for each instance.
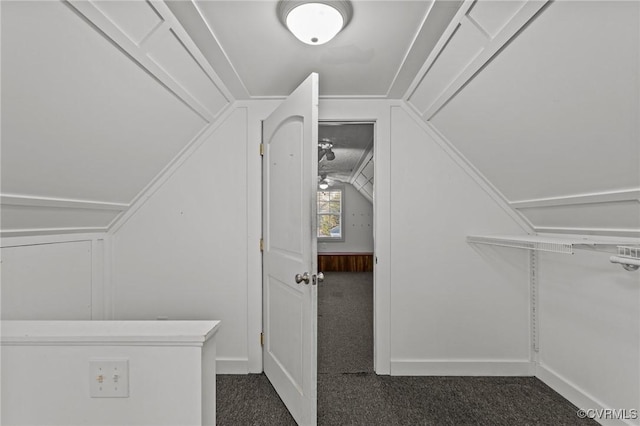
(349, 393)
(345, 323)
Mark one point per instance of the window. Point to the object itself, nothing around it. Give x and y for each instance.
(330, 208)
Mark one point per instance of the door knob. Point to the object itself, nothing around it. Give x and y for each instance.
(304, 277)
(320, 277)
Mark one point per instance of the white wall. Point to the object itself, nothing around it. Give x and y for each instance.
(455, 309)
(183, 253)
(548, 115)
(358, 225)
(57, 277)
(589, 311)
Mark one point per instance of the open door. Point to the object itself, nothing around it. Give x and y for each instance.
(290, 293)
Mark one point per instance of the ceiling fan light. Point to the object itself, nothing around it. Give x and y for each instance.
(314, 22)
(323, 184)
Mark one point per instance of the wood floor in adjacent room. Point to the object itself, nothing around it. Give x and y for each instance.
(349, 393)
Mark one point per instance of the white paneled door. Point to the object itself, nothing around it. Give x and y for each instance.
(289, 174)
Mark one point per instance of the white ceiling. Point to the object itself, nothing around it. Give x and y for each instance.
(377, 55)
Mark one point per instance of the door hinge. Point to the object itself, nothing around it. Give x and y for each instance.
(261, 149)
(261, 339)
(261, 244)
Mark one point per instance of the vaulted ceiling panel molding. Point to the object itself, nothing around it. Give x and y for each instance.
(171, 55)
(87, 128)
(136, 19)
(477, 32)
(492, 16)
(550, 127)
(164, 50)
(260, 59)
(462, 48)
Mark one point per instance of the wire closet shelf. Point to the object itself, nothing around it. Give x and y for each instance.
(628, 256)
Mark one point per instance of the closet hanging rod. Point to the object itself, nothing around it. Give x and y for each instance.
(628, 257)
(627, 263)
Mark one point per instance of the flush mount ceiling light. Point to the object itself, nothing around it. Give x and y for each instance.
(315, 22)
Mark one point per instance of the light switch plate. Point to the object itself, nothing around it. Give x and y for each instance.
(109, 378)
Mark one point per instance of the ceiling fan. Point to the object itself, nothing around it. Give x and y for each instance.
(324, 182)
(325, 147)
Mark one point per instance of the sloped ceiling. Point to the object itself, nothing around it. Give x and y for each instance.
(85, 128)
(376, 56)
(541, 98)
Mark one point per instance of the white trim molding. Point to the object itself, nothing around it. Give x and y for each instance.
(592, 198)
(415, 367)
(232, 365)
(66, 203)
(49, 231)
(573, 393)
(142, 55)
(486, 50)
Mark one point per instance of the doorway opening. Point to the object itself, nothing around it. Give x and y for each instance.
(345, 250)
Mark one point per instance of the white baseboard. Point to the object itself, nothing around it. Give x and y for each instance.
(232, 366)
(577, 396)
(462, 368)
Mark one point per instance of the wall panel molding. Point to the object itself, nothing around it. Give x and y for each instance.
(29, 215)
(68, 203)
(463, 64)
(97, 241)
(595, 198)
(608, 213)
(49, 231)
(151, 36)
(612, 232)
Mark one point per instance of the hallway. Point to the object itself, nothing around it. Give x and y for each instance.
(349, 393)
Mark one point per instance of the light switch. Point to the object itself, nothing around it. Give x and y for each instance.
(109, 378)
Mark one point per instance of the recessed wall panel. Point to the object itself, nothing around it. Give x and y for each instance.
(285, 307)
(59, 288)
(286, 178)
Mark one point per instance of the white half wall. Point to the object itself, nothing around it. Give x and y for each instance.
(455, 309)
(183, 253)
(358, 225)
